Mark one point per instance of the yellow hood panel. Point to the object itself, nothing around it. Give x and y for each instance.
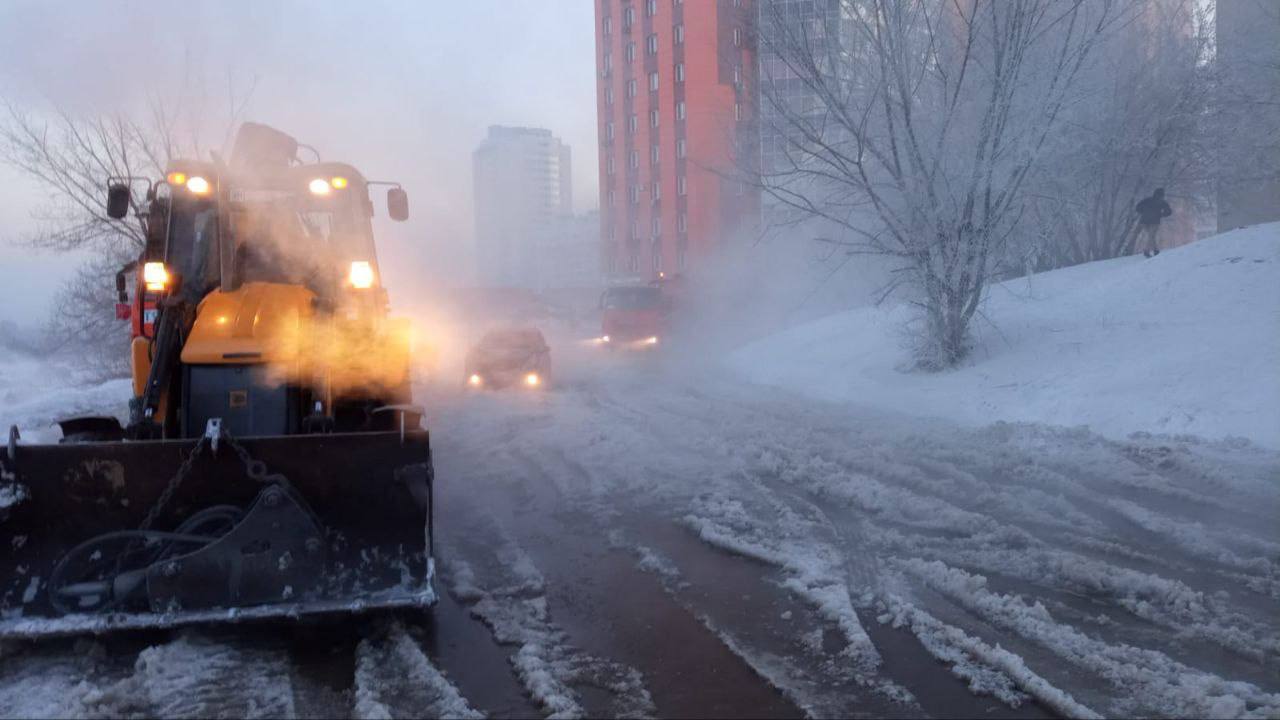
(259, 322)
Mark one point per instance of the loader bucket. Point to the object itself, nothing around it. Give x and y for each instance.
(256, 528)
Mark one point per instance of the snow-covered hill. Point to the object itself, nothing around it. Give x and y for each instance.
(1186, 342)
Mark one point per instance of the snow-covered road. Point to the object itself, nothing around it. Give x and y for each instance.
(631, 543)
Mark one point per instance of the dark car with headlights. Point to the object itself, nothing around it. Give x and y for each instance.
(509, 357)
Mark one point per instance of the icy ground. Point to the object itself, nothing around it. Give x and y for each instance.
(645, 540)
(1186, 342)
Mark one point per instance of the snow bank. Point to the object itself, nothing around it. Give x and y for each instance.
(35, 393)
(1186, 342)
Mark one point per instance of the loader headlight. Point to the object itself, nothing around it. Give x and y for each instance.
(197, 185)
(155, 276)
(319, 186)
(176, 178)
(651, 340)
(532, 380)
(475, 380)
(361, 275)
(604, 339)
(339, 183)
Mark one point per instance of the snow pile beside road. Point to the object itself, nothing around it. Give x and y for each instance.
(1186, 342)
(35, 393)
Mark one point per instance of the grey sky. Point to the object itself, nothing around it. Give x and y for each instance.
(402, 90)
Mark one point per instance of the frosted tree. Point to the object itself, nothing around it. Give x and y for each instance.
(915, 125)
(70, 158)
(1140, 122)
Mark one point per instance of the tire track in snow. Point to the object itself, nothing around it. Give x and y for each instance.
(394, 678)
(502, 587)
(1149, 680)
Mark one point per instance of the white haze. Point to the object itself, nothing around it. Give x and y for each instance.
(403, 91)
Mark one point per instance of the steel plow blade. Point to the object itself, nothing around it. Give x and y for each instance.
(98, 537)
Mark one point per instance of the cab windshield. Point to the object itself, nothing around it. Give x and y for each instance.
(296, 239)
(192, 246)
(632, 298)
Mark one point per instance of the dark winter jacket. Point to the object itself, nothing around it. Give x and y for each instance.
(1152, 209)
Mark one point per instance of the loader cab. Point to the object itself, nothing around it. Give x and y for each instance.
(305, 225)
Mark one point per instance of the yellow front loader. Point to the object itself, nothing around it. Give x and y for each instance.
(273, 463)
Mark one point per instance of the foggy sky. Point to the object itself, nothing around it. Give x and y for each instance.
(403, 91)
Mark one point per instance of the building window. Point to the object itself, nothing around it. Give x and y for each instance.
(737, 37)
(608, 25)
(679, 72)
(630, 52)
(608, 131)
(677, 35)
(682, 222)
(653, 118)
(657, 226)
(653, 44)
(737, 111)
(611, 197)
(628, 17)
(631, 123)
(654, 154)
(653, 80)
(631, 88)
(634, 159)
(633, 263)
(682, 187)
(680, 255)
(608, 63)
(655, 190)
(680, 110)
(635, 195)
(657, 258)
(608, 96)
(651, 7)
(737, 74)
(680, 148)
(608, 164)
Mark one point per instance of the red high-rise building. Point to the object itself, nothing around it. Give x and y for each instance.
(676, 106)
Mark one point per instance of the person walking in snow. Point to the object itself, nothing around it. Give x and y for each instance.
(1151, 210)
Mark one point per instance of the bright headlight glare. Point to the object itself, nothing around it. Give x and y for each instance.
(155, 276)
(319, 186)
(604, 339)
(532, 380)
(177, 178)
(338, 183)
(651, 340)
(361, 275)
(197, 185)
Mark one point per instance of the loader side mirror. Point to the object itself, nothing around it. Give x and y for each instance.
(398, 204)
(118, 197)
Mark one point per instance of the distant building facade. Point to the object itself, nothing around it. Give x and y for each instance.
(1248, 60)
(569, 256)
(676, 110)
(523, 187)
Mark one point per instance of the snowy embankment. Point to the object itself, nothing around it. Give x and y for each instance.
(1186, 342)
(37, 392)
